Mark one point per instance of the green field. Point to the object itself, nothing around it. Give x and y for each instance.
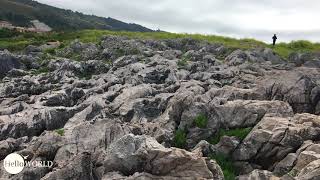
(18, 41)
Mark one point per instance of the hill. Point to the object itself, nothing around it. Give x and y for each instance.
(21, 12)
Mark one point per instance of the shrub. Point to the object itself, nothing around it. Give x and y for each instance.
(201, 121)
(226, 165)
(241, 133)
(180, 138)
(60, 131)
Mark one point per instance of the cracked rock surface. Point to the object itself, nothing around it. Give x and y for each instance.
(112, 110)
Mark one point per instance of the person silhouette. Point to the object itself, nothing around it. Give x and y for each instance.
(274, 39)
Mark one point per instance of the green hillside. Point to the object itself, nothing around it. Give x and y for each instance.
(21, 12)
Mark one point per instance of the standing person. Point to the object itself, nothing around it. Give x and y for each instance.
(274, 39)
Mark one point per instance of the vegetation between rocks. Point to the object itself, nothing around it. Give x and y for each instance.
(201, 121)
(84, 75)
(180, 138)
(226, 165)
(241, 133)
(41, 70)
(182, 63)
(60, 131)
(293, 173)
(18, 41)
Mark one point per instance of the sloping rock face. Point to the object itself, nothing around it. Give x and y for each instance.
(132, 154)
(147, 109)
(7, 62)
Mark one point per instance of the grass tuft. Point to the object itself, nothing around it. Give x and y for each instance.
(241, 133)
(60, 131)
(201, 121)
(84, 75)
(51, 51)
(226, 165)
(41, 70)
(182, 63)
(293, 173)
(180, 138)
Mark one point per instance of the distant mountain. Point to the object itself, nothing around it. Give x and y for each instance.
(22, 12)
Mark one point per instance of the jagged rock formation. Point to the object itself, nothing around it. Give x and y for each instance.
(112, 110)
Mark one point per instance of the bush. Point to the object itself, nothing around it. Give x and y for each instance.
(201, 121)
(241, 133)
(180, 138)
(60, 131)
(226, 165)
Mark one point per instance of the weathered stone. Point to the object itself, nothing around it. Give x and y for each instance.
(132, 154)
(7, 62)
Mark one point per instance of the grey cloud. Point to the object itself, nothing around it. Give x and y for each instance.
(291, 19)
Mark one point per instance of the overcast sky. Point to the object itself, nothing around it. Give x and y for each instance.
(289, 19)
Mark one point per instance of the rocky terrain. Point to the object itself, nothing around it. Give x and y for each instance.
(147, 109)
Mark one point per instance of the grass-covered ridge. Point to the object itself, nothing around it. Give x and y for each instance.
(14, 41)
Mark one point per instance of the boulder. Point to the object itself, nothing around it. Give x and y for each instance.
(311, 171)
(132, 154)
(7, 62)
(81, 167)
(299, 88)
(258, 175)
(273, 138)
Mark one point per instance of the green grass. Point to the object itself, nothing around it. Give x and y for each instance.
(17, 41)
(180, 138)
(201, 121)
(51, 51)
(84, 75)
(41, 70)
(182, 63)
(60, 131)
(284, 49)
(226, 165)
(241, 133)
(293, 173)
